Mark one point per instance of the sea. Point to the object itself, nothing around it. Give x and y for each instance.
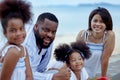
(72, 19)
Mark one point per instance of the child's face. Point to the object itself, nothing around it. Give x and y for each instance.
(15, 32)
(76, 61)
(97, 24)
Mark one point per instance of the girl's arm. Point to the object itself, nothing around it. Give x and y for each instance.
(108, 49)
(29, 75)
(10, 60)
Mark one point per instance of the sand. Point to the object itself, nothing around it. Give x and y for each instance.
(113, 68)
(72, 37)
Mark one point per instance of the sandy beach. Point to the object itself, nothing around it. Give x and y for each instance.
(113, 68)
(72, 37)
(117, 41)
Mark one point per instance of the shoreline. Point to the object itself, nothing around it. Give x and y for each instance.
(68, 38)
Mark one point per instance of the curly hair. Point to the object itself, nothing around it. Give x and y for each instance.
(14, 9)
(63, 51)
(82, 48)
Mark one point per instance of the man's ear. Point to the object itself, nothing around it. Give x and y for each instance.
(35, 27)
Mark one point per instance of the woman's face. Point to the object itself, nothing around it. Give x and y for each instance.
(15, 31)
(76, 62)
(97, 24)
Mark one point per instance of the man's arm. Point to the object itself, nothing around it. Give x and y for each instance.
(42, 76)
(60, 70)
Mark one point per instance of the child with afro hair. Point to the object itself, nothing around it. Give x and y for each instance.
(14, 60)
(71, 56)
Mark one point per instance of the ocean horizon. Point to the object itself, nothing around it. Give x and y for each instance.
(72, 19)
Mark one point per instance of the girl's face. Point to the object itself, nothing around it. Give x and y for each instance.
(15, 32)
(76, 61)
(97, 24)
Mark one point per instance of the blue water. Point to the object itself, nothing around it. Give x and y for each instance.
(72, 19)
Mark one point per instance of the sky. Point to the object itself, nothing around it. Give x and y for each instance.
(69, 2)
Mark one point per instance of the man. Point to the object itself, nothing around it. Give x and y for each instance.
(39, 42)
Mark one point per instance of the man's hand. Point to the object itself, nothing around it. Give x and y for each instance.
(63, 74)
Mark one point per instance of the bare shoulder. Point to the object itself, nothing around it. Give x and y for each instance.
(11, 56)
(110, 37)
(110, 34)
(80, 36)
(81, 32)
(13, 51)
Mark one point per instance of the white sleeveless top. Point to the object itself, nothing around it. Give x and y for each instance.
(93, 64)
(19, 71)
(59, 64)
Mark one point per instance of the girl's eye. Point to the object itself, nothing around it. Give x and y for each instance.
(73, 60)
(13, 30)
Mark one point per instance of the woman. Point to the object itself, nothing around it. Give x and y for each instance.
(101, 40)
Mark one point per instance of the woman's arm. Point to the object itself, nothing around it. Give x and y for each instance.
(29, 75)
(10, 60)
(108, 49)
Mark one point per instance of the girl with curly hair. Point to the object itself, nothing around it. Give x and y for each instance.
(72, 56)
(14, 60)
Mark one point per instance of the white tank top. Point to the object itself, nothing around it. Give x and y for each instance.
(93, 64)
(19, 71)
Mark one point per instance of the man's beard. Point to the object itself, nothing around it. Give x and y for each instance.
(40, 41)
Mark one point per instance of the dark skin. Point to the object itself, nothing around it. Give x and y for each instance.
(15, 34)
(45, 32)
